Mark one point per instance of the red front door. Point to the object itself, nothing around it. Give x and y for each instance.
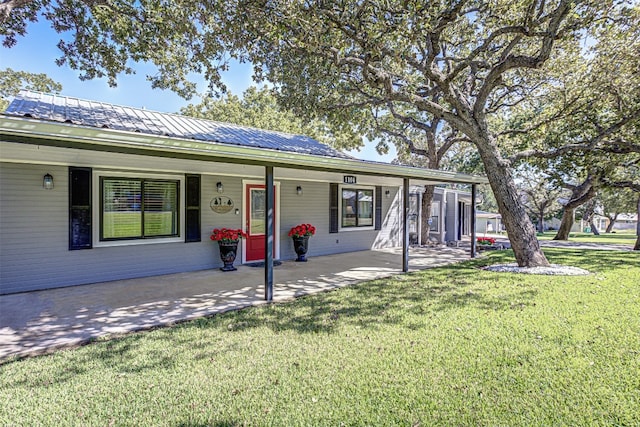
(256, 221)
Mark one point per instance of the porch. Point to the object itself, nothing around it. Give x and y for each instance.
(37, 322)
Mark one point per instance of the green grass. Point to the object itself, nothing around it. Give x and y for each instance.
(627, 238)
(449, 346)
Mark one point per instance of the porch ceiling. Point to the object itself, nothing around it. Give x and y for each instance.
(65, 135)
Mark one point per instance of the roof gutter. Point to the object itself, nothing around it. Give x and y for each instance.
(65, 135)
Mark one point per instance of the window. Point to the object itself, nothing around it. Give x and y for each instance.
(434, 221)
(357, 207)
(413, 213)
(138, 208)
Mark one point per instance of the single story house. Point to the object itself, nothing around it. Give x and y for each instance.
(488, 222)
(93, 192)
(625, 222)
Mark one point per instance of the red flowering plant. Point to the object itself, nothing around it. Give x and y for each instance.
(302, 230)
(486, 241)
(227, 235)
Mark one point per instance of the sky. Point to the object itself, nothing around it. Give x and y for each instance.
(37, 52)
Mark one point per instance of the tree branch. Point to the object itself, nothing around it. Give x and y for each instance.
(619, 146)
(7, 6)
(521, 61)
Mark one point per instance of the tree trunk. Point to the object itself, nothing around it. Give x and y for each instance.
(612, 221)
(521, 232)
(565, 224)
(609, 228)
(589, 217)
(580, 195)
(541, 220)
(427, 202)
(636, 247)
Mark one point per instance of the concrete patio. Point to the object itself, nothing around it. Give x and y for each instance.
(39, 322)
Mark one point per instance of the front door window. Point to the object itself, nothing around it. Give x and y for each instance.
(256, 221)
(257, 214)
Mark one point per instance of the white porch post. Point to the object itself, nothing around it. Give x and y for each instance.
(269, 222)
(473, 220)
(405, 225)
(419, 219)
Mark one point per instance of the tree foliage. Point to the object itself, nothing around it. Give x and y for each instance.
(374, 65)
(12, 81)
(259, 108)
(540, 196)
(613, 202)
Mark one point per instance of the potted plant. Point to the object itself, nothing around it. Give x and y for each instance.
(486, 242)
(228, 239)
(300, 235)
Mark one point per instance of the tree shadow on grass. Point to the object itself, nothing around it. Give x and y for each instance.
(386, 301)
(400, 301)
(593, 260)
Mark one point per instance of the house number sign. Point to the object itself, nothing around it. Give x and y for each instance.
(349, 179)
(221, 204)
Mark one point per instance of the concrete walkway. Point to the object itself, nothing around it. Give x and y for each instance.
(39, 322)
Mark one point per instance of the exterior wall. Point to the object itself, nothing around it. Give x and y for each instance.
(390, 235)
(625, 226)
(313, 207)
(34, 234)
(453, 213)
(34, 250)
(448, 215)
(451, 216)
(488, 225)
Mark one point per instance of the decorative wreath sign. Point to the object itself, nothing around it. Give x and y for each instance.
(221, 204)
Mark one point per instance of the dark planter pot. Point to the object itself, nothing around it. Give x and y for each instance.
(228, 253)
(301, 245)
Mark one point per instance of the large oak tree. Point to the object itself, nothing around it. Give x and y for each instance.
(466, 63)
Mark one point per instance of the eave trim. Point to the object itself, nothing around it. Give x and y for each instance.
(31, 131)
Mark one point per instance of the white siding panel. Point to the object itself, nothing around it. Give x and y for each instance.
(313, 207)
(451, 216)
(34, 237)
(34, 232)
(390, 235)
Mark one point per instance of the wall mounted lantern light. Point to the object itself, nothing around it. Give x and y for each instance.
(387, 193)
(299, 190)
(47, 182)
(220, 187)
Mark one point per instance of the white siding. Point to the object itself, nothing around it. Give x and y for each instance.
(34, 237)
(390, 234)
(313, 207)
(451, 216)
(34, 231)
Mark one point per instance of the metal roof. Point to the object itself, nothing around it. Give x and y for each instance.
(51, 120)
(97, 114)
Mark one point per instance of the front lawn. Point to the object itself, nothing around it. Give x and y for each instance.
(453, 345)
(627, 238)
